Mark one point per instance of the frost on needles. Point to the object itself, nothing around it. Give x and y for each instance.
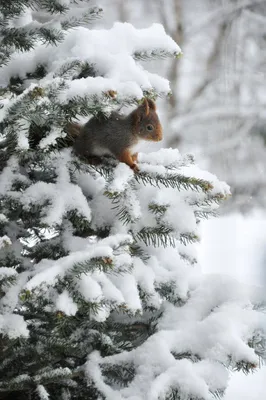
(101, 296)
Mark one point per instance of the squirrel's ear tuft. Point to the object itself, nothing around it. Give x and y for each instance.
(152, 104)
(145, 106)
(141, 112)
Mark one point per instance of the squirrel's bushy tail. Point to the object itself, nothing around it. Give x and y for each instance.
(73, 129)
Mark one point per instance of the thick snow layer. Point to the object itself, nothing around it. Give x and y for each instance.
(3, 218)
(216, 311)
(165, 157)
(42, 392)
(62, 196)
(9, 175)
(65, 303)
(50, 139)
(6, 272)
(13, 326)
(4, 242)
(115, 64)
(122, 175)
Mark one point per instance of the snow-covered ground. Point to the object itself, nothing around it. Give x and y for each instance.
(236, 245)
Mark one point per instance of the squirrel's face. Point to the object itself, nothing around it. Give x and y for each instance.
(150, 128)
(146, 122)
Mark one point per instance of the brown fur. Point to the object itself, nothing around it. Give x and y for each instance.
(117, 134)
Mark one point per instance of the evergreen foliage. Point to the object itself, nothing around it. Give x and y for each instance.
(98, 285)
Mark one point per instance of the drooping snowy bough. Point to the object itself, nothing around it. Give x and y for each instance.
(101, 296)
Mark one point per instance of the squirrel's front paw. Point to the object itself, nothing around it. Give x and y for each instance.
(127, 158)
(135, 167)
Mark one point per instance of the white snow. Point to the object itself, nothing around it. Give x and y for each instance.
(63, 196)
(4, 242)
(115, 63)
(165, 157)
(205, 337)
(122, 175)
(42, 392)
(50, 139)
(93, 371)
(98, 86)
(128, 287)
(6, 272)
(13, 326)
(9, 175)
(65, 303)
(89, 288)
(183, 376)
(24, 18)
(11, 298)
(3, 218)
(23, 142)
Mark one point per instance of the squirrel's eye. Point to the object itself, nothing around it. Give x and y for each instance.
(149, 128)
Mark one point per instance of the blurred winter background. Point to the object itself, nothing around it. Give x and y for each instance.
(217, 112)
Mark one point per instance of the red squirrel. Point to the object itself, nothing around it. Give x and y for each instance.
(118, 134)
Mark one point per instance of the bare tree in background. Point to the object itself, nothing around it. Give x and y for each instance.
(222, 117)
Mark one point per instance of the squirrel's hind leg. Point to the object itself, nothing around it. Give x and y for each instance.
(129, 159)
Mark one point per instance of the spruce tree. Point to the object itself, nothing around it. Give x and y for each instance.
(101, 296)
